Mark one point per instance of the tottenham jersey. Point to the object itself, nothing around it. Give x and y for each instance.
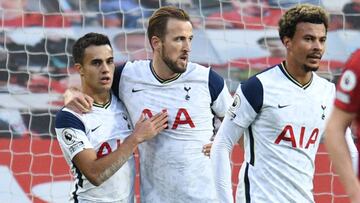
(103, 129)
(284, 122)
(172, 165)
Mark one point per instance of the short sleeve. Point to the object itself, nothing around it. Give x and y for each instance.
(220, 95)
(70, 133)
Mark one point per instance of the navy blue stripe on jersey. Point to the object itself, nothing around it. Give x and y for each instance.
(78, 184)
(78, 176)
(247, 184)
(252, 150)
(216, 85)
(253, 92)
(75, 196)
(66, 119)
(116, 79)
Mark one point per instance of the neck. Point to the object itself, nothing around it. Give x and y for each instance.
(162, 70)
(298, 72)
(99, 97)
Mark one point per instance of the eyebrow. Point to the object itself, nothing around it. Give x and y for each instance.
(96, 60)
(100, 60)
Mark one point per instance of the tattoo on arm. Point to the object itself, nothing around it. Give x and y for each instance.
(113, 168)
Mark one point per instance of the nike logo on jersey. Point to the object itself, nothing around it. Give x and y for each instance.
(282, 106)
(92, 130)
(136, 90)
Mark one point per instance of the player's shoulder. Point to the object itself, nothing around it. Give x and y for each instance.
(195, 72)
(66, 112)
(323, 82)
(270, 73)
(116, 104)
(353, 62)
(135, 65)
(351, 72)
(66, 118)
(267, 75)
(195, 68)
(130, 70)
(253, 88)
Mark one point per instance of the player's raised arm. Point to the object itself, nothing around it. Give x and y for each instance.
(97, 170)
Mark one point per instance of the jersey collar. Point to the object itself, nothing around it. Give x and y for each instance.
(292, 79)
(105, 106)
(160, 79)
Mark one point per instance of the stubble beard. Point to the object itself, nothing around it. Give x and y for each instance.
(171, 63)
(310, 69)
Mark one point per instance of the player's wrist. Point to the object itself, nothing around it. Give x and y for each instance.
(136, 138)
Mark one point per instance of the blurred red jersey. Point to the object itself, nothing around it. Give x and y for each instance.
(348, 88)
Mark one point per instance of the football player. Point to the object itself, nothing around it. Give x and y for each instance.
(172, 165)
(282, 112)
(346, 111)
(99, 145)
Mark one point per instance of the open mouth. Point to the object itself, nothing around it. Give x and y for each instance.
(185, 57)
(315, 56)
(105, 79)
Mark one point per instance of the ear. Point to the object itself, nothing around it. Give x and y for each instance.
(79, 68)
(155, 42)
(287, 42)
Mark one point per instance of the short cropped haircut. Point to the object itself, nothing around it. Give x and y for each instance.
(302, 13)
(85, 41)
(158, 20)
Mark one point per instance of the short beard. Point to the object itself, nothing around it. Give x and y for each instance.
(310, 69)
(171, 64)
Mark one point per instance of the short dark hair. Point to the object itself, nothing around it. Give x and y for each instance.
(306, 13)
(85, 41)
(159, 19)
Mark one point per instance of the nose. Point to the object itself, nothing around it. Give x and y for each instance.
(105, 68)
(187, 45)
(318, 45)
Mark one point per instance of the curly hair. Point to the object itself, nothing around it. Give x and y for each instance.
(305, 13)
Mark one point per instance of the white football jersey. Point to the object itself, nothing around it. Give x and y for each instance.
(284, 122)
(103, 129)
(172, 165)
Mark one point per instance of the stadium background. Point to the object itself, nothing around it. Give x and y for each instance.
(236, 37)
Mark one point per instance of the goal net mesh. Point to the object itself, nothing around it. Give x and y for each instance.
(237, 38)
